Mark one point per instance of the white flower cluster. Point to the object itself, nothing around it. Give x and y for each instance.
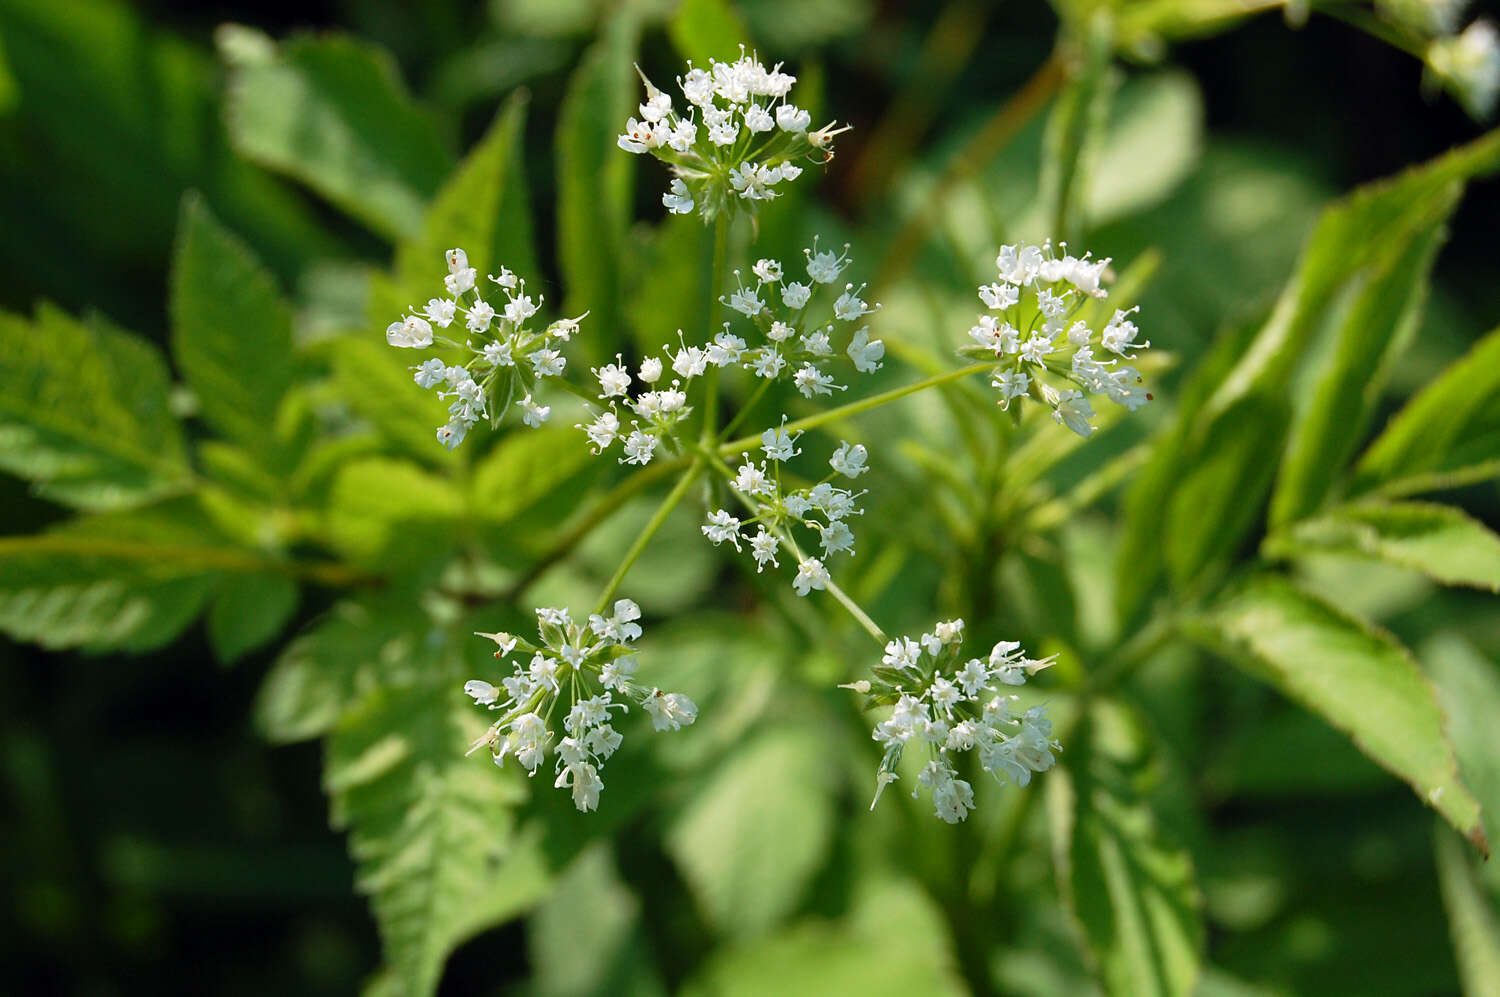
(594, 663)
(793, 346)
(1031, 331)
(822, 509)
(1468, 64)
(953, 708)
(653, 413)
(504, 359)
(737, 140)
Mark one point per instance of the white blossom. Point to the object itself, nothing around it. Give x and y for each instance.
(810, 575)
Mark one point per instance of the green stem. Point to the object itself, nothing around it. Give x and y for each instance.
(657, 519)
(863, 405)
(715, 316)
(739, 416)
(860, 616)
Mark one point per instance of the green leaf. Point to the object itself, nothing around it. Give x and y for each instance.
(1471, 917)
(373, 378)
(328, 669)
(707, 29)
(594, 178)
(1449, 434)
(1468, 685)
(247, 612)
(84, 413)
(892, 944)
(591, 901)
(1376, 328)
(130, 581)
(529, 486)
(434, 834)
(231, 330)
(1152, 143)
(1357, 240)
(1130, 888)
(385, 513)
(752, 838)
(1356, 677)
(483, 208)
(1218, 496)
(332, 112)
(8, 96)
(1440, 541)
(1075, 129)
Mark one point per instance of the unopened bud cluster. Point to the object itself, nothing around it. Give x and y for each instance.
(587, 667)
(777, 513)
(950, 708)
(504, 359)
(1042, 350)
(736, 142)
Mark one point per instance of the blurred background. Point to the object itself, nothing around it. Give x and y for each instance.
(153, 841)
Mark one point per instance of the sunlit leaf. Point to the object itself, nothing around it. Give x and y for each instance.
(1440, 541)
(1357, 678)
(332, 112)
(1130, 887)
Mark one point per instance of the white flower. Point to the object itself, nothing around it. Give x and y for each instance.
(824, 267)
(865, 352)
(440, 311)
(533, 414)
(620, 627)
(548, 363)
(639, 447)
(697, 86)
(1035, 349)
(725, 349)
(795, 295)
(836, 537)
(617, 674)
(768, 271)
(778, 443)
(752, 480)
(497, 354)
(849, 460)
(484, 694)
(1119, 335)
(452, 433)
(1012, 384)
(650, 371)
(614, 380)
(683, 135)
(792, 118)
(999, 296)
(902, 652)
(811, 381)
(504, 642)
(528, 741)
(817, 343)
(763, 547)
(431, 373)
(586, 785)
(758, 119)
(658, 106)
(603, 740)
(507, 280)
(670, 711)
(721, 526)
(849, 306)
(678, 199)
(690, 361)
(810, 575)
(602, 431)
(1073, 410)
(410, 333)
(520, 308)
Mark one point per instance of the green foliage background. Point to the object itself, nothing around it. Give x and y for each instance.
(238, 573)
